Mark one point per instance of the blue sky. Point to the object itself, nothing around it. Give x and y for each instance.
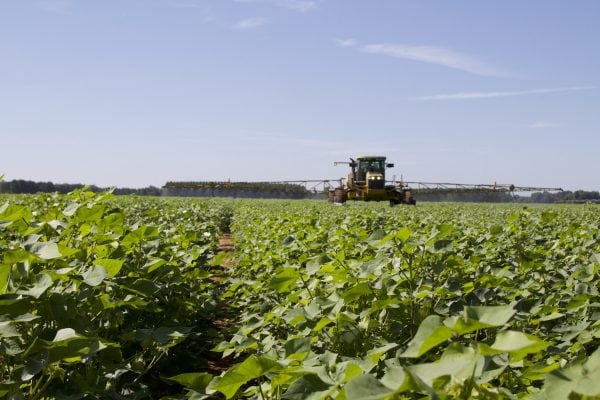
(139, 92)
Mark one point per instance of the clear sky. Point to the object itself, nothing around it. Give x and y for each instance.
(139, 92)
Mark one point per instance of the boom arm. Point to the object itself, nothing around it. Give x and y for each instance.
(445, 186)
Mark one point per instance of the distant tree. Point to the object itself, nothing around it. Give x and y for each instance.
(29, 187)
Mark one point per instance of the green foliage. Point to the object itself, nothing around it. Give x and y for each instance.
(112, 298)
(102, 297)
(441, 301)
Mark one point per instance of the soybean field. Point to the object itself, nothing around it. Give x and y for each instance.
(108, 297)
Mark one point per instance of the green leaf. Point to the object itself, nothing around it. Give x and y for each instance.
(480, 317)
(540, 370)
(45, 250)
(307, 387)
(431, 333)
(113, 222)
(458, 362)
(252, 368)
(548, 216)
(366, 387)
(323, 322)
(196, 381)
(397, 379)
(112, 267)
(137, 236)
(16, 256)
(14, 212)
(285, 279)
(170, 336)
(579, 378)
(403, 234)
(314, 265)
(15, 305)
(33, 366)
(4, 275)
(490, 315)
(288, 240)
(496, 230)
(376, 353)
(94, 275)
(356, 292)
(424, 375)
(352, 370)
(518, 344)
(91, 214)
(25, 318)
(43, 282)
(68, 346)
(8, 330)
(70, 209)
(444, 230)
(156, 263)
(65, 334)
(297, 348)
(67, 251)
(376, 236)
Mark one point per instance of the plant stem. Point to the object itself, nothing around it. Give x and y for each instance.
(154, 361)
(262, 395)
(38, 393)
(307, 288)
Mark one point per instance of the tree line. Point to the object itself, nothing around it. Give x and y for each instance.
(29, 187)
(236, 186)
(578, 196)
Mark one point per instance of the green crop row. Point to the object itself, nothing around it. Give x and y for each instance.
(103, 298)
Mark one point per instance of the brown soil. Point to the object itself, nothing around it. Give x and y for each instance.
(227, 246)
(217, 366)
(226, 243)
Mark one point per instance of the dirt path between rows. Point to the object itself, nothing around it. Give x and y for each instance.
(227, 246)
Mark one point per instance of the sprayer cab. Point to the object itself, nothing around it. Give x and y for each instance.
(366, 180)
(370, 171)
